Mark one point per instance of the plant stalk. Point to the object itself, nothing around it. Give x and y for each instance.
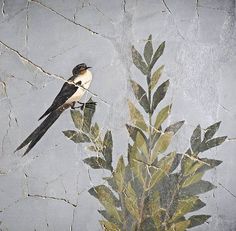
(149, 152)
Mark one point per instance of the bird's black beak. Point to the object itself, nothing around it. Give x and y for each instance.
(88, 67)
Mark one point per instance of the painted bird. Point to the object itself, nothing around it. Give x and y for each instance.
(70, 94)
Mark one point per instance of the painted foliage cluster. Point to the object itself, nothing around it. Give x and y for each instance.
(153, 189)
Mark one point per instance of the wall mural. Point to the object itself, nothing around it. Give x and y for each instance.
(126, 111)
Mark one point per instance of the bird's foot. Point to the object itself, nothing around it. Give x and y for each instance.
(89, 105)
(73, 106)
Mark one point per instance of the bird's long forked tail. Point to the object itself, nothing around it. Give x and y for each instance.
(37, 134)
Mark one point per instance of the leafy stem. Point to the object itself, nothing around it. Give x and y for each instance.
(154, 190)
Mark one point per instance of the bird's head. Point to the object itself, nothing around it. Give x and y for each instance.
(80, 69)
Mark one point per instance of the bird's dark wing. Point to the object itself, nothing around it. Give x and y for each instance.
(65, 93)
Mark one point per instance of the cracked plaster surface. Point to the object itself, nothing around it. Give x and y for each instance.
(41, 41)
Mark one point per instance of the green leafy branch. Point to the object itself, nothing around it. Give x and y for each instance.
(156, 189)
(90, 133)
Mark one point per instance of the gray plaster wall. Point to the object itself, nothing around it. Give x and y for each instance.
(40, 40)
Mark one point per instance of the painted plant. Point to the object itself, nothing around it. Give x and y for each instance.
(153, 190)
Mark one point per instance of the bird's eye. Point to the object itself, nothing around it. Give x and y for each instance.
(79, 83)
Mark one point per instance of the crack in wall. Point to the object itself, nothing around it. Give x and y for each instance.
(124, 6)
(99, 11)
(233, 195)
(38, 67)
(197, 7)
(13, 16)
(166, 6)
(27, 26)
(28, 61)
(52, 198)
(62, 52)
(3, 8)
(68, 19)
(77, 201)
(9, 115)
(8, 127)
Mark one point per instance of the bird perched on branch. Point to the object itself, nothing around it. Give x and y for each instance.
(70, 94)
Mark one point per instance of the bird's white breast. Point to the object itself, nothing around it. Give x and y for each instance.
(85, 79)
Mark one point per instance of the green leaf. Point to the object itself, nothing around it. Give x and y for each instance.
(77, 118)
(154, 207)
(162, 144)
(175, 127)
(88, 115)
(157, 54)
(176, 162)
(162, 116)
(156, 76)
(155, 178)
(133, 131)
(197, 220)
(197, 188)
(196, 139)
(92, 148)
(141, 95)
(107, 147)
(190, 165)
(111, 182)
(76, 136)
(147, 224)
(210, 163)
(179, 226)
(159, 94)
(108, 226)
(138, 61)
(192, 179)
(137, 117)
(104, 195)
(108, 217)
(97, 163)
(137, 163)
(163, 168)
(198, 205)
(131, 202)
(211, 130)
(184, 206)
(107, 199)
(141, 144)
(212, 143)
(95, 131)
(154, 204)
(148, 50)
(119, 174)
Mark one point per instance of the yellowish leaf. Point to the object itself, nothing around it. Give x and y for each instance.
(137, 163)
(192, 179)
(184, 206)
(108, 226)
(163, 169)
(156, 76)
(131, 202)
(137, 117)
(180, 226)
(119, 174)
(141, 144)
(161, 144)
(190, 166)
(161, 116)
